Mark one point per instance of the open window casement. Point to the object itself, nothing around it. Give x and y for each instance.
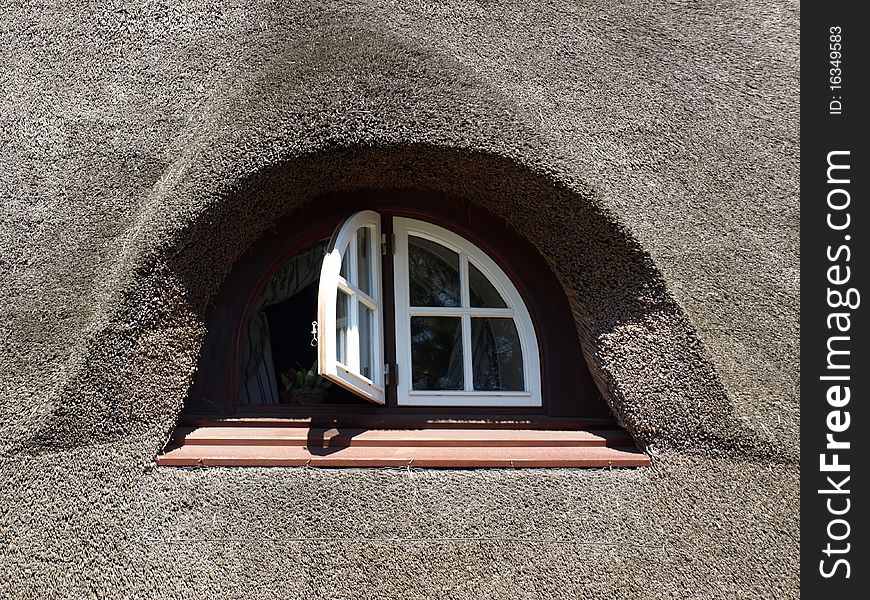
(349, 308)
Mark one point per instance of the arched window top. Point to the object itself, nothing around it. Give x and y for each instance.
(461, 333)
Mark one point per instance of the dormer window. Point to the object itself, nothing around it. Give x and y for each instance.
(361, 332)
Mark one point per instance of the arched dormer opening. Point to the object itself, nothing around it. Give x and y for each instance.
(394, 328)
(423, 304)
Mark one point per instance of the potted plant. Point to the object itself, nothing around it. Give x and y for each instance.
(304, 386)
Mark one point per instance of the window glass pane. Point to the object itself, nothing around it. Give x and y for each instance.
(344, 268)
(434, 274)
(482, 293)
(497, 358)
(342, 310)
(436, 353)
(366, 352)
(364, 260)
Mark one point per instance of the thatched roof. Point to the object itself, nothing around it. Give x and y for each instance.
(648, 150)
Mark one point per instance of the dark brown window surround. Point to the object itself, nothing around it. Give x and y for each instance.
(215, 431)
(567, 387)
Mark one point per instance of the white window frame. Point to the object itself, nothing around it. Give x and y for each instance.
(468, 252)
(348, 375)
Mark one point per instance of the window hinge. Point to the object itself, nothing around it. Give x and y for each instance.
(388, 243)
(391, 374)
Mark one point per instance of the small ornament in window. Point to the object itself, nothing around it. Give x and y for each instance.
(304, 386)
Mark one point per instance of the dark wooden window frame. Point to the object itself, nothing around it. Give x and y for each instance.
(567, 386)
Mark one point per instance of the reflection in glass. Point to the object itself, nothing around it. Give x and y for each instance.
(436, 353)
(482, 293)
(363, 260)
(497, 358)
(342, 310)
(343, 270)
(366, 353)
(433, 272)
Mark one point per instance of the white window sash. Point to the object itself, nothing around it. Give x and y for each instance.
(349, 376)
(531, 395)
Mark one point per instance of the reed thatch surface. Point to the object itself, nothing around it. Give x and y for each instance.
(649, 150)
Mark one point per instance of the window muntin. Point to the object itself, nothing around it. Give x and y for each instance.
(463, 334)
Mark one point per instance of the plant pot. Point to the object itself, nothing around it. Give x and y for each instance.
(304, 396)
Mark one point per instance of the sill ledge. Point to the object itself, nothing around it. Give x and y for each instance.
(238, 442)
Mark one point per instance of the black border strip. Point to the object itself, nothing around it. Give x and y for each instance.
(834, 263)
